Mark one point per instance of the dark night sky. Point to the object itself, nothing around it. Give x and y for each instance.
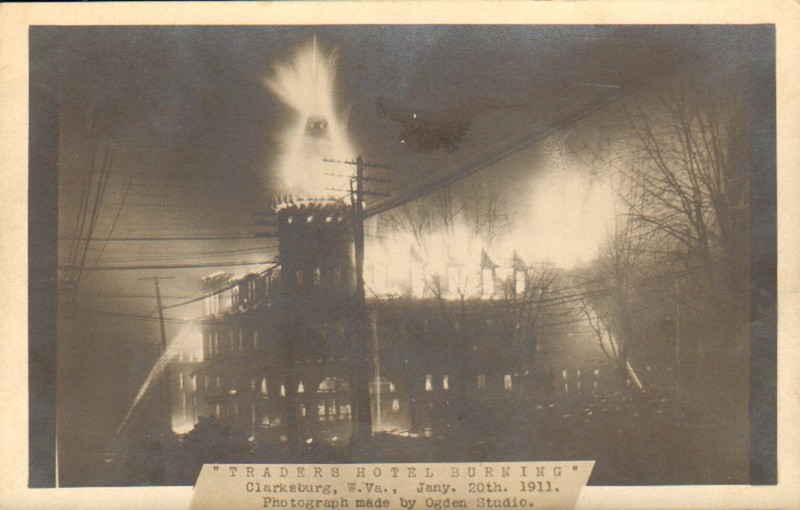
(185, 113)
(196, 135)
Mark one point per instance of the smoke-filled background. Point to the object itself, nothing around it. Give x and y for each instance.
(518, 142)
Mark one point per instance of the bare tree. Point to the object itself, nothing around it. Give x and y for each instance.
(480, 208)
(485, 212)
(610, 291)
(690, 159)
(680, 153)
(524, 304)
(601, 328)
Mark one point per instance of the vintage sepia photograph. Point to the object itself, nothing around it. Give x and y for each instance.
(403, 244)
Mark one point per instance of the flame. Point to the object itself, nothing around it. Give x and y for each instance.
(306, 84)
(571, 216)
(301, 200)
(565, 223)
(444, 263)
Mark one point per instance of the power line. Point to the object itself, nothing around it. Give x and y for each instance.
(572, 298)
(504, 152)
(105, 171)
(127, 296)
(207, 255)
(175, 266)
(80, 219)
(114, 223)
(220, 291)
(177, 238)
(133, 316)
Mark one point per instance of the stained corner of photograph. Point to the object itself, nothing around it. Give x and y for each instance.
(404, 244)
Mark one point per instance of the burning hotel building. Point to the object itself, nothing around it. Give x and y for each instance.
(453, 252)
(278, 361)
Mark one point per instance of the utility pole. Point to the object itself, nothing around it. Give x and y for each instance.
(160, 309)
(161, 317)
(167, 388)
(358, 232)
(361, 358)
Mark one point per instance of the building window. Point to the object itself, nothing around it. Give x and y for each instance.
(302, 408)
(391, 387)
(445, 383)
(321, 411)
(264, 386)
(206, 382)
(332, 409)
(255, 338)
(344, 412)
(396, 405)
(180, 381)
(217, 410)
(428, 383)
(253, 385)
(507, 383)
(219, 382)
(283, 390)
(194, 382)
(301, 388)
(481, 382)
(316, 277)
(298, 279)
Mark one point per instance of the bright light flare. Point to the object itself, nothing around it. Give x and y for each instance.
(306, 84)
(568, 217)
(571, 216)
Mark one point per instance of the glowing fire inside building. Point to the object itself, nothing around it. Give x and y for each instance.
(450, 311)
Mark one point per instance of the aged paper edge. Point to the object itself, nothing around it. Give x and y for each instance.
(14, 22)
